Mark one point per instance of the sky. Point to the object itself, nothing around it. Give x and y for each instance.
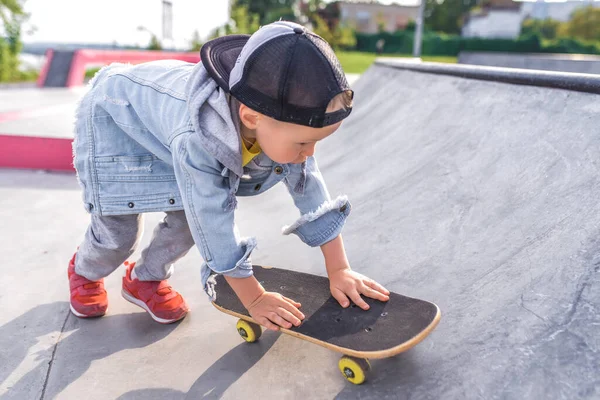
(109, 21)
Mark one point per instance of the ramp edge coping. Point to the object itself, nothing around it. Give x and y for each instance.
(587, 83)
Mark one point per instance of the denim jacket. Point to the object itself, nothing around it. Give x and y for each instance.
(160, 136)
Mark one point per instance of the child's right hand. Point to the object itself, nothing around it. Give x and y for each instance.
(272, 310)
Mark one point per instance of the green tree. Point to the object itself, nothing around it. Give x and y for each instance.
(325, 21)
(268, 10)
(321, 28)
(381, 23)
(196, 43)
(12, 17)
(240, 22)
(448, 15)
(5, 57)
(9, 9)
(411, 26)
(245, 18)
(345, 37)
(584, 24)
(546, 29)
(243, 21)
(154, 43)
(314, 5)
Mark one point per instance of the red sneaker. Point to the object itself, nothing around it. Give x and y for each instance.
(163, 303)
(88, 298)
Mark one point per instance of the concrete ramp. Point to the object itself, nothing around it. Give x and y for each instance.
(577, 63)
(482, 196)
(475, 188)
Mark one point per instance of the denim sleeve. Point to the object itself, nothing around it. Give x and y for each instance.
(205, 193)
(321, 219)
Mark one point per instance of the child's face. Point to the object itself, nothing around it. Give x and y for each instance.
(284, 142)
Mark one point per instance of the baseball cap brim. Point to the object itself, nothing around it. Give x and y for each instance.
(219, 56)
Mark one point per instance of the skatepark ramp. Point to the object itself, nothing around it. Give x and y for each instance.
(477, 188)
(66, 68)
(577, 63)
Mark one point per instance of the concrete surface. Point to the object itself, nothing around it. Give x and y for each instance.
(577, 63)
(478, 195)
(42, 113)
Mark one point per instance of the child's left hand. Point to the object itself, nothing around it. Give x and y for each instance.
(345, 283)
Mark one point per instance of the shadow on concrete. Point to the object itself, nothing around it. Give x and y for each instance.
(101, 337)
(18, 336)
(218, 377)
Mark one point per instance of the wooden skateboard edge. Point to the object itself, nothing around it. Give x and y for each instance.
(349, 352)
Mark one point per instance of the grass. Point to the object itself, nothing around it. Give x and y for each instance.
(91, 72)
(354, 62)
(22, 76)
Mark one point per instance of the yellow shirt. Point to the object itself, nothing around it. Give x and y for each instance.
(249, 154)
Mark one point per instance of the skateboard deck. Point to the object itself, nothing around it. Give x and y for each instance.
(386, 329)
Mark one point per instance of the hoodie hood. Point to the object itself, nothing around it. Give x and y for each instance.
(210, 112)
(216, 123)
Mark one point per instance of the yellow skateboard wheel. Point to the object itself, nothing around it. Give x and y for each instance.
(249, 331)
(354, 369)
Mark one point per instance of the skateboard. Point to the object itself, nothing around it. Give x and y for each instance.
(386, 329)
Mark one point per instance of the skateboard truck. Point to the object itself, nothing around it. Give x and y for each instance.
(354, 369)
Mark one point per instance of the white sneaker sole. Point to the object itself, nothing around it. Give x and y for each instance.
(143, 305)
(80, 315)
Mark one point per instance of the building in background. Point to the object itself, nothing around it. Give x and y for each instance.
(372, 17)
(559, 11)
(497, 19)
(503, 18)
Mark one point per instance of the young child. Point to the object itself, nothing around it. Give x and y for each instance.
(186, 139)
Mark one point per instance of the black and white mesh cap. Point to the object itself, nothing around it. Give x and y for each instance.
(283, 71)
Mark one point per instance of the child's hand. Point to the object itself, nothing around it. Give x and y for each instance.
(273, 310)
(346, 283)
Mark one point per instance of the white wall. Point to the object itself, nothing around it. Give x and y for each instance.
(496, 24)
(507, 24)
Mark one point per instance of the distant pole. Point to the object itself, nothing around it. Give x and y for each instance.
(167, 22)
(419, 30)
